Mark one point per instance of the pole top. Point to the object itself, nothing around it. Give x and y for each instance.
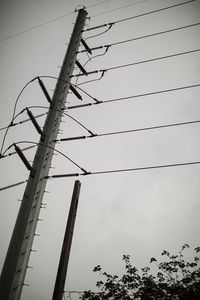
(82, 8)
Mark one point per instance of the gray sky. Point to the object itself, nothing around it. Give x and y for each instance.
(137, 213)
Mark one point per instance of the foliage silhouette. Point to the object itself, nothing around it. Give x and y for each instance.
(176, 279)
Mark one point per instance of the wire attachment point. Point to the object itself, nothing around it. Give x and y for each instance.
(87, 48)
(81, 68)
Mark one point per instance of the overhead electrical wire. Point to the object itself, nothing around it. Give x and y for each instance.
(65, 114)
(14, 152)
(14, 116)
(99, 3)
(76, 86)
(89, 60)
(111, 172)
(47, 22)
(119, 8)
(14, 111)
(23, 121)
(47, 146)
(12, 185)
(106, 101)
(61, 111)
(111, 133)
(125, 170)
(138, 62)
(135, 96)
(67, 14)
(142, 14)
(129, 130)
(142, 37)
(155, 11)
(98, 34)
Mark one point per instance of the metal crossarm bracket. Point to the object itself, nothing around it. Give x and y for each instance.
(35, 123)
(87, 48)
(44, 90)
(75, 92)
(23, 158)
(81, 67)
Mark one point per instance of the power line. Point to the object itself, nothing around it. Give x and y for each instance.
(143, 14)
(124, 170)
(119, 8)
(93, 5)
(98, 34)
(110, 133)
(151, 93)
(139, 62)
(130, 130)
(142, 37)
(14, 111)
(14, 152)
(47, 22)
(23, 121)
(155, 11)
(34, 27)
(109, 172)
(67, 14)
(135, 96)
(61, 153)
(103, 102)
(12, 185)
(12, 124)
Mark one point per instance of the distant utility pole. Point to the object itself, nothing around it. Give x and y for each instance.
(64, 257)
(16, 261)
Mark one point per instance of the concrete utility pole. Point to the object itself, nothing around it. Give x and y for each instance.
(16, 261)
(64, 257)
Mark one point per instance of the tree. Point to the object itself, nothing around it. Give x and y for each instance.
(176, 279)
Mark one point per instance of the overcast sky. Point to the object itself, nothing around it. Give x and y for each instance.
(137, 213)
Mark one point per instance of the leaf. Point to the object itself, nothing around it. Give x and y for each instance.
(197, 249)
(185, 246)
(153, 259)
(165, 253)
(97, 268)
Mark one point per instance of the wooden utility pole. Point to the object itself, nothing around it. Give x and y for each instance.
(16, 261)
(64, 257)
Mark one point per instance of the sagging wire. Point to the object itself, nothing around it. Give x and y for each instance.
(62, 112)
(15, 107)
(96, 4)
(89, 60)
(136, 96)
(88, 81)
(14, 152)
(119, 8)
(142, 37)
(14, 124)
(23, 121)
(75, 86)
(60, 17)
(130, 130)
(141, 15)
(139, 62)
(125, 170)
(112, 171)
(47, 22)
(14, 111)
(47, 146)
(98, 34)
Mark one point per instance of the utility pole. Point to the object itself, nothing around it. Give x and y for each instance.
(16, 261)
(64, 257)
